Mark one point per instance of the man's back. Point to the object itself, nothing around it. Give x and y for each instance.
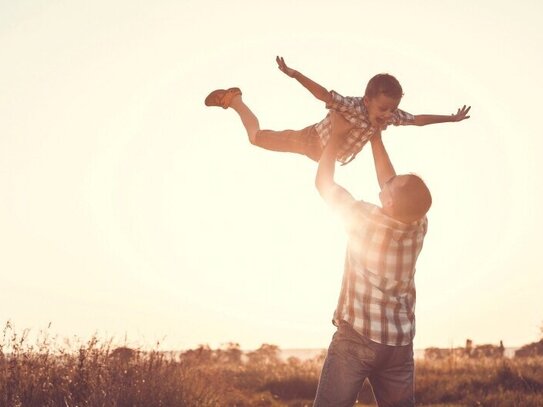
(378, 290)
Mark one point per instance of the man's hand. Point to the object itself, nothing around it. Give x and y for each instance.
(340, 127)
(331, 192)
(461, 114)
(284, 68)
(376, 136)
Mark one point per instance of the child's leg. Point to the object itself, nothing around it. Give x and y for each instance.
(305, 141)
(248, 118)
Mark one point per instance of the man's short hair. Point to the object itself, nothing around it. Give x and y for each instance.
(385, 84)
(411, 198)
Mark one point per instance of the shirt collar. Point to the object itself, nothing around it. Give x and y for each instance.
(398, 228)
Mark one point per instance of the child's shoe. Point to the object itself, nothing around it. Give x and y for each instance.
(222, 97)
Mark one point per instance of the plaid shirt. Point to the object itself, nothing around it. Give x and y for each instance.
(378, 290)
(355, 112)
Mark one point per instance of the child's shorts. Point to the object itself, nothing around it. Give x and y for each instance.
(305, 141)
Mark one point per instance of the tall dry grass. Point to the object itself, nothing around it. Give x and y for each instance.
(49, 372)
(76, 373)
(481, 382)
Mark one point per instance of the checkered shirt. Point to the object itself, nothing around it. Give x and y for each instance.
(355, 112)
(378, 291)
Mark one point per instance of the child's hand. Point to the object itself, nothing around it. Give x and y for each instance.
(461, 114)
(284, 68)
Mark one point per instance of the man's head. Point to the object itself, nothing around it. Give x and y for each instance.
(382, 97)
(405, 198)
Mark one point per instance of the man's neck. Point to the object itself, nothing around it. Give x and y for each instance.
(394, 216)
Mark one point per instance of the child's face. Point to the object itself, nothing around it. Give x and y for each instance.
(380, 108)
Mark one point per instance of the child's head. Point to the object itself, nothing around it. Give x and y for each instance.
(381, 99)
(385, 84)
(406, 198)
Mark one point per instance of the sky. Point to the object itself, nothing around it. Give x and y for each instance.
(131, 211)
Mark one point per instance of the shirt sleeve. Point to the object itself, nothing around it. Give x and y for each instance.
(401, 118)
(344, 204)
(342, 103)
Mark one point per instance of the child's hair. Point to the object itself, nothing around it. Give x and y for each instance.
(412, 198)
(385, 84)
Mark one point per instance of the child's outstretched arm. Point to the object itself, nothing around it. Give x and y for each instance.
(316, 90)
(424, 119)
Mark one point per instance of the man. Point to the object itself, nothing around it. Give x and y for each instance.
(375, 314)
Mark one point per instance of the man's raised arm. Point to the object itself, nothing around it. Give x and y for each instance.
(330, 191)
(383, 166)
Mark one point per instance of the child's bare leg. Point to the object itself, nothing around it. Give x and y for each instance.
(248, 118)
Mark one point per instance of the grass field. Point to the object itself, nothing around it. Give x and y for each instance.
(93, 373)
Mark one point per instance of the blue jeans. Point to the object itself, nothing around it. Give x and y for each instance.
(352, 358)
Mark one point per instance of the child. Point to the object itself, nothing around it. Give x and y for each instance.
(368, 115)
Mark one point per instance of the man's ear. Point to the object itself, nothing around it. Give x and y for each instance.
(387, 202)
(365, 100)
